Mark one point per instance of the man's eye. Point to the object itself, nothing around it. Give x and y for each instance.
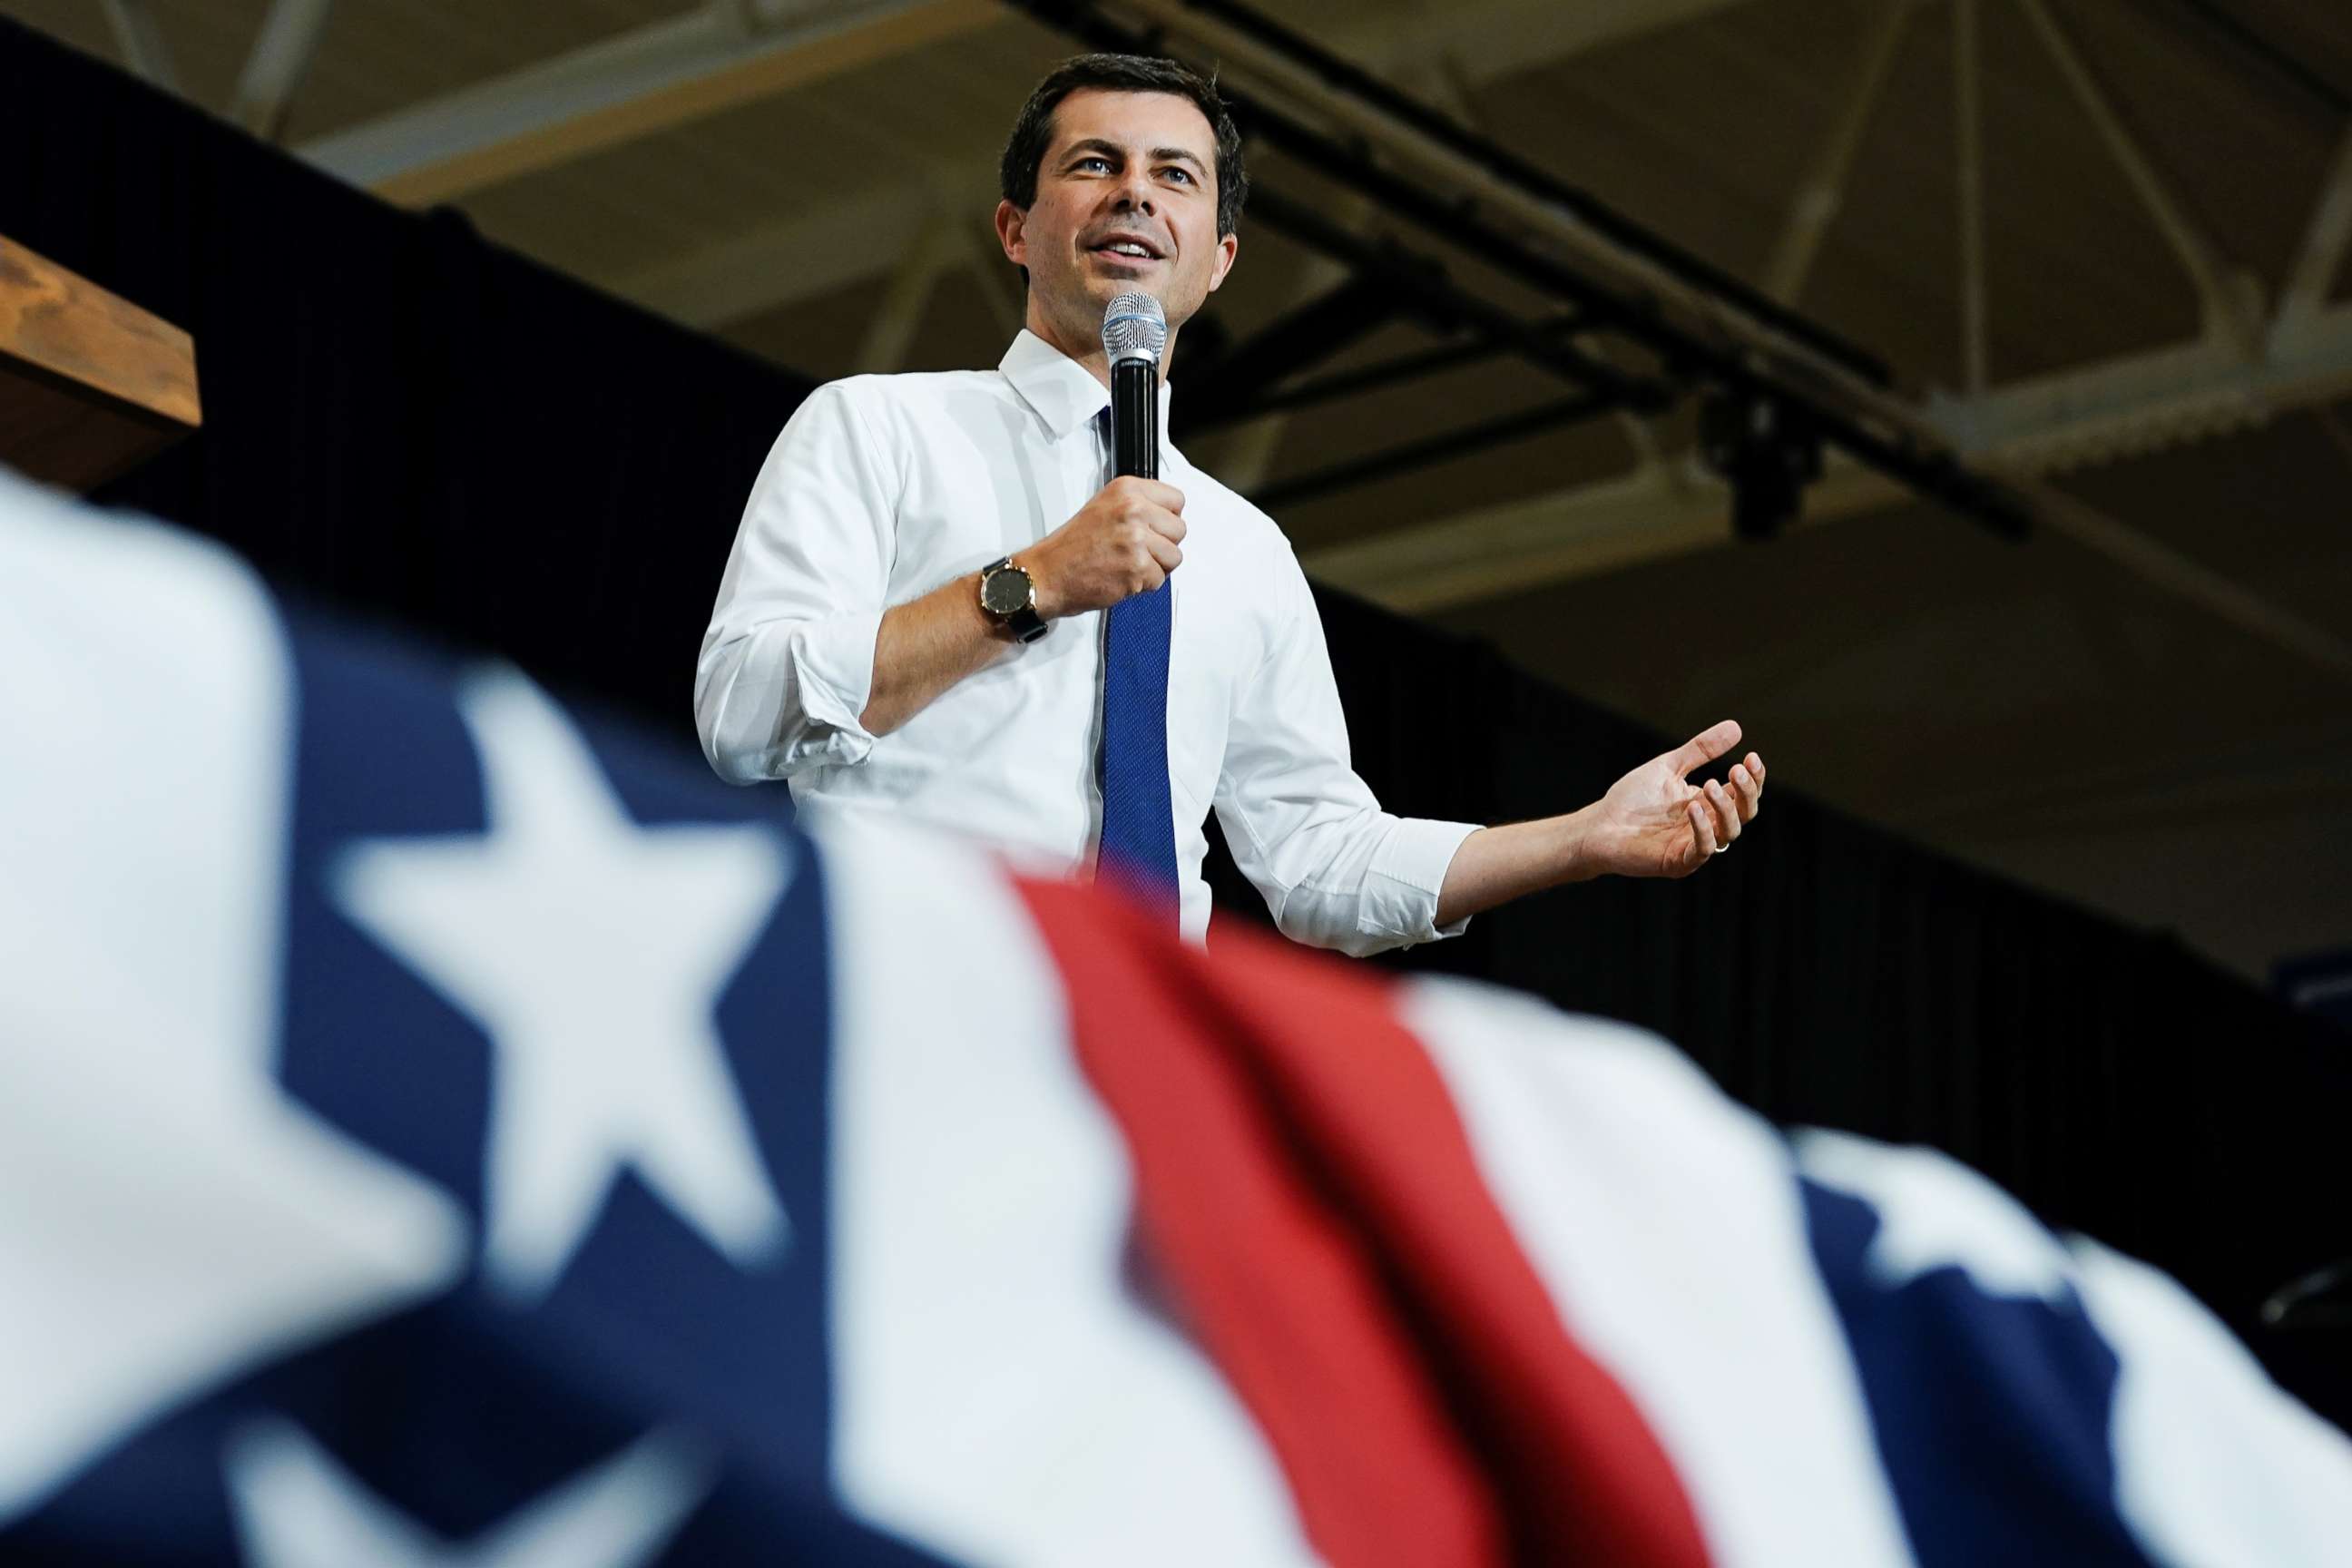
(1181, 173)
(1084, 162)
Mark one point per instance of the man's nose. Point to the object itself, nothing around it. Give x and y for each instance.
(1135, 193)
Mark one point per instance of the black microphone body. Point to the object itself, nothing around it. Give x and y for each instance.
(1134, 335)
(1135, 418)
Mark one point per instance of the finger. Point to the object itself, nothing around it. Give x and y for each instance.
(1163, 551)
(1165, 523)
(1131, 493)
(1726, 812)
(1702, 826)
(1705, 747)
(1747, 790)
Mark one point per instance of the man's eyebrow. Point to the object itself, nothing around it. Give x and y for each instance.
(1093, 144)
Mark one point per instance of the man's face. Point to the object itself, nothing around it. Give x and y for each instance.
(1126, 199)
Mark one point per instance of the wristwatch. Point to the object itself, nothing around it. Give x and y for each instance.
(1009, 596)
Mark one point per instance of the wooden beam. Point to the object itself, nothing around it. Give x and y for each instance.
(89, 383)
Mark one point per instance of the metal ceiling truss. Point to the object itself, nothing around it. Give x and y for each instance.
(1386, 282)
(720, 55)
(145, 52)
(1704, 333)
(1491, 168)
(1222, 384)
(1978, 455)
(725, 53)
(1405, 283)
(1692, 328)
(281, 58)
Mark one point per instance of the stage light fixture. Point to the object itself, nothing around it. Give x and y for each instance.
(1766, 451)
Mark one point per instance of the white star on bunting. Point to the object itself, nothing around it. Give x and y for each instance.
(169, 1219)
(1935, 1213)
(297, 1508)
(594, 952)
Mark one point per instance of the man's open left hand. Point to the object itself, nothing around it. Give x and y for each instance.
(1654, 823)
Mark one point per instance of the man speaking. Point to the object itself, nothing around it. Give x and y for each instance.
(941, 606)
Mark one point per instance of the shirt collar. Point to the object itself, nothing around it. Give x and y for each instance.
(1057, 388)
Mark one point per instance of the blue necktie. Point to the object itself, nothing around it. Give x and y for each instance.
(1138, 822)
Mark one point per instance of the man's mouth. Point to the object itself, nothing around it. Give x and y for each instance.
(1127, 249)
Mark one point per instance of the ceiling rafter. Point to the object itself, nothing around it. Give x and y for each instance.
(145, 52)
(773, 266)
(732, 52)
(626, 87)
(282, 52)
(1708, 333)
(2225, 292)
(794, 259)
(936, 251)
(2324, 239)
(1822, 190)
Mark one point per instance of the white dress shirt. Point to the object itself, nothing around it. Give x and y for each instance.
(882, 487)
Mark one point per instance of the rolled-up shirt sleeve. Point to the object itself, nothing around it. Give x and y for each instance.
(1336, 870)
(787, 665)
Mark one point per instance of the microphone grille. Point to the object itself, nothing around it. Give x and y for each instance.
(1134, 326)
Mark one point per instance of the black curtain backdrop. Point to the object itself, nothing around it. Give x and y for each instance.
(399, 417)
(407, 421)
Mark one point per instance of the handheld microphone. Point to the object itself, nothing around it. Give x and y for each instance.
(1134, 332)
(1137, 848)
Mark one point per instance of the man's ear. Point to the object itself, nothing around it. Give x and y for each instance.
(1012, 223)
(1227, 249)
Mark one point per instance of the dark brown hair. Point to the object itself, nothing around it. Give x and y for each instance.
(1024, 150)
